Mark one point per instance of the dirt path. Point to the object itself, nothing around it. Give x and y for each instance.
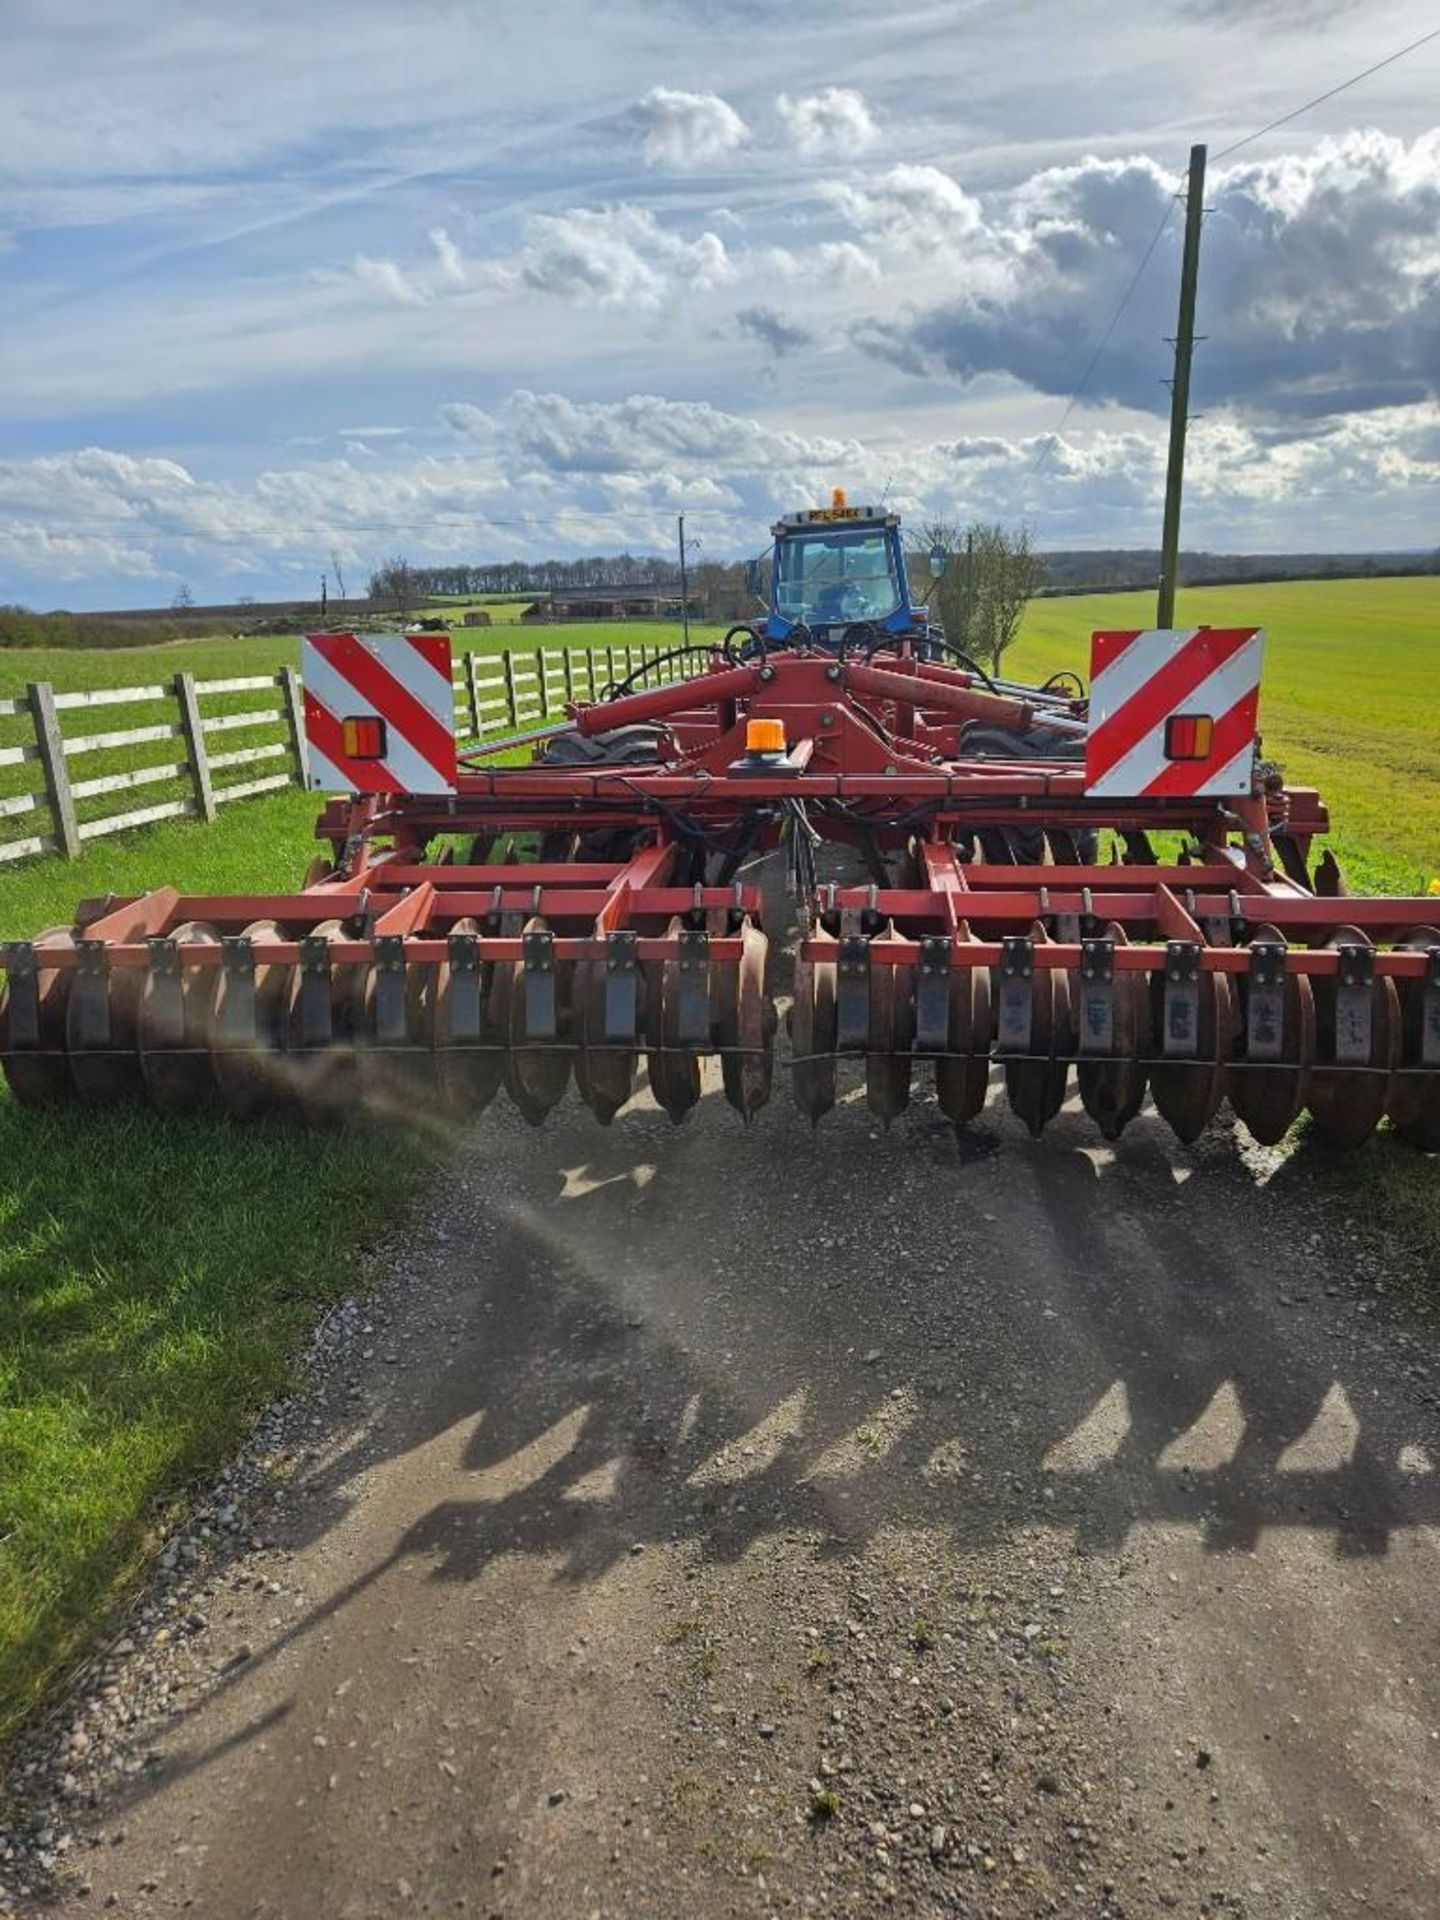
(751, 1522)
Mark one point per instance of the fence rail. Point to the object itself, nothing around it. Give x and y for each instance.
(496, 693)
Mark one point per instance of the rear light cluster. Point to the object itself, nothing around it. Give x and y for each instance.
(1189, 736)
(364, 738)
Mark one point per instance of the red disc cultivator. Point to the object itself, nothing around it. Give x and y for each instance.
(1118, 887)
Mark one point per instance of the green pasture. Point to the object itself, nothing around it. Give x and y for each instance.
(72, 669)
(158, 1277)
(1348, 703)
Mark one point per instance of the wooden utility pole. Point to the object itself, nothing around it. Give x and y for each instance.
(684, 586)
(1180, 388)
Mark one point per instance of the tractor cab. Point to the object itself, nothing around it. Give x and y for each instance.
(838, 573)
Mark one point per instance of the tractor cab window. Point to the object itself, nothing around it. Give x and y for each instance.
(834, 576)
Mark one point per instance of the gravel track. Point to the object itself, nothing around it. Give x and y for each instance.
(726, 1521)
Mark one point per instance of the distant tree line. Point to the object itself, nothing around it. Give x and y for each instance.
(20, 627)
(1112, 569)
(717, 591)
(524, 576)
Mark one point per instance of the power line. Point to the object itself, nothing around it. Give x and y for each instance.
(1048, 446)
(1330, 93)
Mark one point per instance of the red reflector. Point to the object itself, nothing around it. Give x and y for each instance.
(363, 739)
(1189, 736)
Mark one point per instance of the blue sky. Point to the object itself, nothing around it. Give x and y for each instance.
(473, 278)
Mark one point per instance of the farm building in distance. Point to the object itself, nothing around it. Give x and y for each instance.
(477, 617)
(606, 603)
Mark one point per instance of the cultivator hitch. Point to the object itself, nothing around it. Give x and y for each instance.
(990, 882)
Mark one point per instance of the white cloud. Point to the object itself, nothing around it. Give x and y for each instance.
(545, 473)
(635, 434)
(688, 129)
(451, 260)
(388, 278)
(1321, 269)
(910, 209)
(97, 514)
(834, 263)
(617, 256)
(833, 121)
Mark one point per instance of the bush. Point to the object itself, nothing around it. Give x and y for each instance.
(20, 627)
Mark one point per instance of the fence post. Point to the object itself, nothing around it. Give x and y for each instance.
(52, 760)
(472, 689)
(568, 665)
(196, 757)
(295, 714)
(508, 660)
(540, 680)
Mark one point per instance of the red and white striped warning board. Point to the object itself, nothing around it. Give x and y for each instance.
(379, 713)
(1173, 711)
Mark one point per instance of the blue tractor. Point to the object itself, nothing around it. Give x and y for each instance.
(839, 582)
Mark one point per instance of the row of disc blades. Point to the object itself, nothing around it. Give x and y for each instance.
(1347, 1102)
(326, 1051)
(277, 1042)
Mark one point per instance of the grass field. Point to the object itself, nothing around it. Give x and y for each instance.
(74, 668)
(1347, 703)
(157, 1277)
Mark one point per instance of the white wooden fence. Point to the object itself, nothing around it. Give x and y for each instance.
(495, 693)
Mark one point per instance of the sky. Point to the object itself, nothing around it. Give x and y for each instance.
(284, 286)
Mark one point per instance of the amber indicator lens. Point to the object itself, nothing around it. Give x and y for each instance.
(1189, 736)
(364, 739)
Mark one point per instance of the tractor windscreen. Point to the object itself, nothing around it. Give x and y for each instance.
(829, 576)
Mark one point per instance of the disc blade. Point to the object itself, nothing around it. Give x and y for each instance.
(812, 1031)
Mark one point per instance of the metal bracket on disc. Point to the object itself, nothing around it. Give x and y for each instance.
(622, 986)
(1265, 1001)
(166, 1002)
(235, 1025)
(1430, 1014)
(852, 992)
(693, 1014)
(463, 1000)
(314, 1002)
(390, 1021)
(24, 1001)
(1017, 993)
(1182, 999)
(932, 995)
(1097, 997)
(1354, 1006)
(538, 949)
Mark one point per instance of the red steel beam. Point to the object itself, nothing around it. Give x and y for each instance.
(679, 695)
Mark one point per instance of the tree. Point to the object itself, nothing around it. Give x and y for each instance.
(397, 585)
(717, 591)
(337, 567)
(184, 598)
(988, 582)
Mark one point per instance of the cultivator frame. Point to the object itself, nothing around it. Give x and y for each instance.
(426, 964)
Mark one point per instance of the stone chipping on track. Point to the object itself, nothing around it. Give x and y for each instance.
(727, 1521)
